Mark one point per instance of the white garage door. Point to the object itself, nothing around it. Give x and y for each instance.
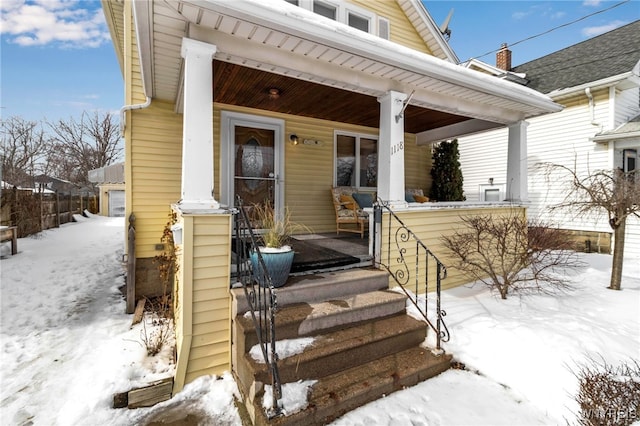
(116, 203)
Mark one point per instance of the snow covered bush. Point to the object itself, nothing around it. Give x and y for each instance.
(509, 254)
(609, 395)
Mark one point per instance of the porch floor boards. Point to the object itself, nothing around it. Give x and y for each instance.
(365, 345)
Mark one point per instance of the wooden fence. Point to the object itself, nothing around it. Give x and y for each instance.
(34, 212)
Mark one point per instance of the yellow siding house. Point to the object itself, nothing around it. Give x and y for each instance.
(349, 80)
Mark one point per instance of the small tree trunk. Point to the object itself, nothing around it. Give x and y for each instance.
(504, 290)
(618, 256)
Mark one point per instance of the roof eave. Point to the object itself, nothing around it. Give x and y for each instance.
(422, 12)
(615, 136)
(117, 37)
(629, 77)
(385, 51)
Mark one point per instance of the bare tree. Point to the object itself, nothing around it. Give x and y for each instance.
(510, 255)
(612, 192)
(80, 146)
(23, 151)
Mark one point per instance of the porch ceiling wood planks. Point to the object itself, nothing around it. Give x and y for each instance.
(238, 85)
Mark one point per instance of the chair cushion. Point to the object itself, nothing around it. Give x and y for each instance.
(408, 197)
(347, 200)
(363, 199)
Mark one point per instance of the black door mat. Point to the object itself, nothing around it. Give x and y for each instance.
(309, 257)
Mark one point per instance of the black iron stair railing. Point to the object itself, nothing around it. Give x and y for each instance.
(262, 299)
(407, 244)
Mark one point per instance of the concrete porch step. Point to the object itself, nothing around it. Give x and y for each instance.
(337, 394)
(365, 345)
(321, 287)
(306, 319)
(341, 350)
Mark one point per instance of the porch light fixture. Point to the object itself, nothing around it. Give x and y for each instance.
(491, 181)
(274, 93)
(294, 139)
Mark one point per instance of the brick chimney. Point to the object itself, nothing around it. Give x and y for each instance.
(503, 58)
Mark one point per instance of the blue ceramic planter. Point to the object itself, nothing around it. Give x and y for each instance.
(278, 265)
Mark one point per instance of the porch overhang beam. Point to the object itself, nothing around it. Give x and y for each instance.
(454, 131)
(278, 61)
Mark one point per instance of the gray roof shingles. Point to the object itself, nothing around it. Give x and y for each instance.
(606, 55)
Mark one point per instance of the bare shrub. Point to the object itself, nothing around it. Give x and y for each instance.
(158, 334)
(508, 255)
(609, 395)
(160, 309)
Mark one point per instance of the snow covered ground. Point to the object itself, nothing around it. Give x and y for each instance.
(67, 346)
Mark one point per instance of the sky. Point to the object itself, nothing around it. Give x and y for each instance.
(67, 346)
(57, 60)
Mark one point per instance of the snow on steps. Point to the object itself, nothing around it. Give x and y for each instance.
(365, 346)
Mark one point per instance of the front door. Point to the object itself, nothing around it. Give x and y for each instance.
(252, 165)
(255, 177)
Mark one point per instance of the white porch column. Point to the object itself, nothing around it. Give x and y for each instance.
(517, 183)
(391, 149)
(197, 143)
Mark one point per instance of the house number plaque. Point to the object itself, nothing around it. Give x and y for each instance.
(395, 148)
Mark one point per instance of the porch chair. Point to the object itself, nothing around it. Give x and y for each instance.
(349, 216)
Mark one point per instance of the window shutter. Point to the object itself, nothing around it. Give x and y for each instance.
(383, 28)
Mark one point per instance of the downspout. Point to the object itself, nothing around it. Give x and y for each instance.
(147, 101)
(129, 108)
(587, 92)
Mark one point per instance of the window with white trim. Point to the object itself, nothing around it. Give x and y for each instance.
(356, 21)
(356, 160)
(341, 11)
(492, 192)
(325, 9)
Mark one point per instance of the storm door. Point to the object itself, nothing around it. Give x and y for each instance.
(255, 177)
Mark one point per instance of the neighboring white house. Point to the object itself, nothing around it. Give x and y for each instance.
(598, 83)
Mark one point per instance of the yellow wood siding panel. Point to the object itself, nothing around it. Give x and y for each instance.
(207, 351)
(156, 169)
(209, 365)
(203, 300)
(209, 339)
(211, 299)
(207, 296)
(401, 29)
(208, 318)
(430, 226)
(417, 164)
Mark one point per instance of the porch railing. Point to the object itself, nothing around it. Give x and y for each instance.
(409, 246)
(262, 299)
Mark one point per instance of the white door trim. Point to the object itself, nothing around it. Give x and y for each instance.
(228, 122)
